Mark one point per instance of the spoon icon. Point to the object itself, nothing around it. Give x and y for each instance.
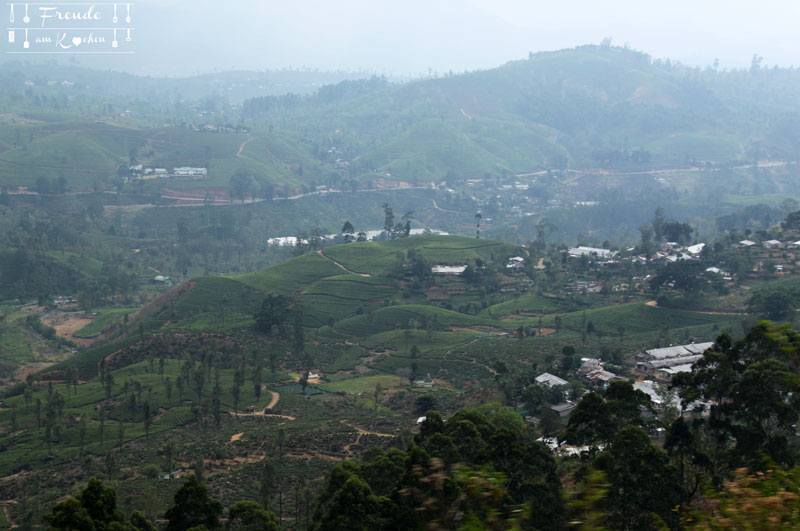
(115, 43)
(26, 18)
(128, 18)
(128, 38)
(11, 19)
(115, 14)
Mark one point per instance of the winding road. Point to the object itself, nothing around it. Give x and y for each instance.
(241, 147)
(260, 412)
(366, 275)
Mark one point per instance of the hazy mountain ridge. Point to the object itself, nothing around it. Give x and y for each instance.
(588, 107)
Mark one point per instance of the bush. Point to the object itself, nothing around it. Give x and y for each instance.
(150, 471)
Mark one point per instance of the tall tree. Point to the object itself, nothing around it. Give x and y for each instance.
(299, 330)
(266, 483)
(193, 507)
(250, 516)
(754, 392)
(347, 231)
(642, 482)
(388, 220)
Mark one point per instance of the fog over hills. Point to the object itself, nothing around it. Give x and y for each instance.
(178, 37)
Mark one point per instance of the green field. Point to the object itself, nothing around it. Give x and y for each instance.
(696, 146)
(176, 412)
(525, 304)
(399, 316)
(364, 384)
(106, 317)
(639, 318)
(288, 276)
(379, 257)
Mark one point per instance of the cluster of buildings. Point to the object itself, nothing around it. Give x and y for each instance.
(769, 244)
(140, 172)
(672, 252)
(515, 263)
(664, 363)
(592, 252)
(656, 367)
(210, 128)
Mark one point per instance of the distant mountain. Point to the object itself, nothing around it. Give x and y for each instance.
(592, 107)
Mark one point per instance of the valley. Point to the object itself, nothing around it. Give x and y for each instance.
(398, 304)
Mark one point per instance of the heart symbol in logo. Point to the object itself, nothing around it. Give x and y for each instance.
(76, 41)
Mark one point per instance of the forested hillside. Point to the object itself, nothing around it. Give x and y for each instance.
(588, 107)
(528, 297)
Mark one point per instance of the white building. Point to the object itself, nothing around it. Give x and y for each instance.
(550, 380)
(696, 249)
(515, 262)
(190, 172)
(591, 251)
(448, 269)
(666, 362)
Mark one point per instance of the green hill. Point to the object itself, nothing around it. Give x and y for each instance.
(337, 283)
(586, 107)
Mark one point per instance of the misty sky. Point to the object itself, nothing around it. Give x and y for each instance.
(409, 37)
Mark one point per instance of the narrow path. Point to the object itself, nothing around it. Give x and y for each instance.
(437, 207)
(275, 397)
(603, 171)
(7, 513)
(241, 147)
(218, 201)
(260, 412)
(340, 265)
(362, 431)
(654, 304)
(347, 447)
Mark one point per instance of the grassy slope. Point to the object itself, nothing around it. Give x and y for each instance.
(379, 257)
(526, 114)
(640, 318)
(106, 317)
(25, 446)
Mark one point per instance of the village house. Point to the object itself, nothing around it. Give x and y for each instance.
(190, 172)
(515, 262)
(563, 409)
(592, 371)
(550, 380)
(601, 378)
(717, 271)
(696, 249)
(588, 365)
(448, 269)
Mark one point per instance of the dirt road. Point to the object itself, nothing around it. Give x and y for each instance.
(340, 265)
(275, 397)
(66, 324)
(239, 153)
(260, 412)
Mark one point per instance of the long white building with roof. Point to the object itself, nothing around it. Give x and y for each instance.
(665, 362)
